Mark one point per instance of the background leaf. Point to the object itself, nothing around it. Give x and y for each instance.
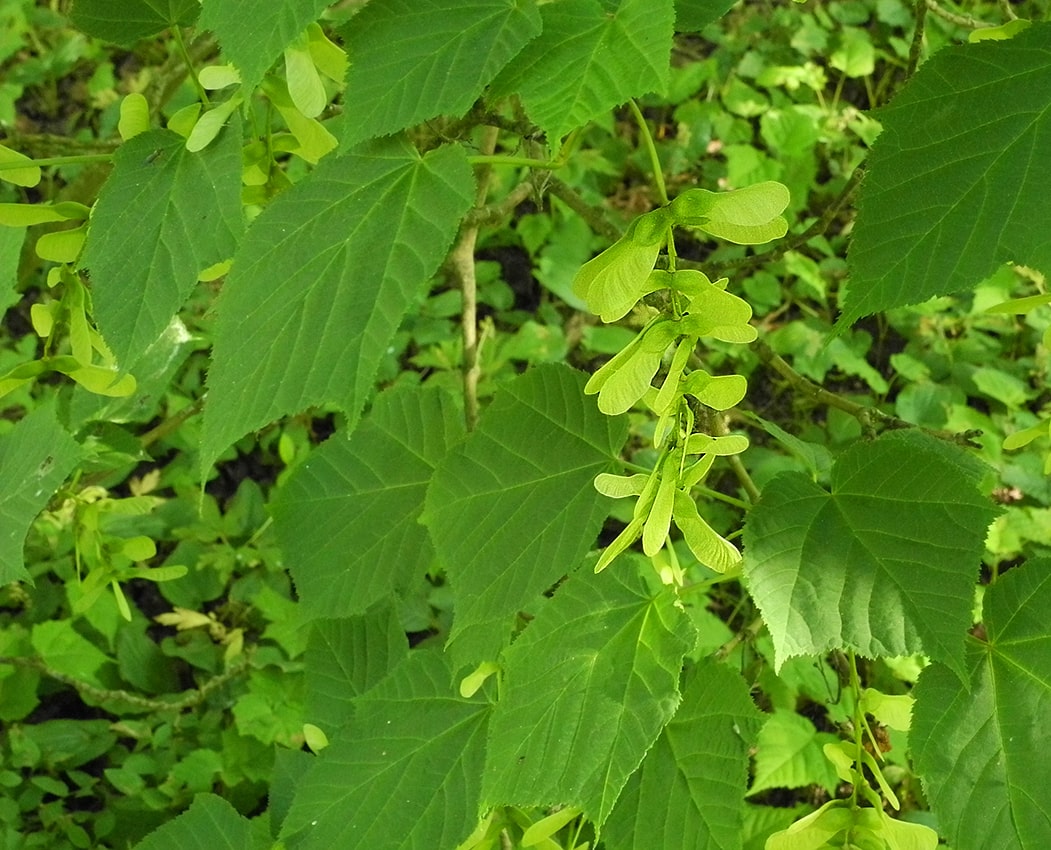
(512, 509)
(322, 280)
(349, 516)
(688, 794)
(126, 21)
(885, 563)
(588, 687)
(404, 775)
(980, 747)
(209, 822)
(957, 183)
(588, 60)
(163, 216)
(401, 75)
(35, 458)
(695, 15)
(253, 34)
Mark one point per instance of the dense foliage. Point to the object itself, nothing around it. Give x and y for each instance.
(473, 424)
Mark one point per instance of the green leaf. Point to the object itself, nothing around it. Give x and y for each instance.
(252, 36)
(980, 746)
(688, 794)
(11, 239)
(210, 822)
(955, 187)
(614, 281)
(404, 775)
(884, 564)
(512, 509)
(29, 175)
(36, 456)
(588, 60)
(411, 61)
(348, 518)
(789, 755)
(162, 217)
(126, 21)
(345, 658)
(695, 15)
(336, 261)
(588, 688)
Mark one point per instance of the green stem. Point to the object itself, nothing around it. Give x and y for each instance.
(507, 159)
(181, 44)
(58, 160)
(651, 149)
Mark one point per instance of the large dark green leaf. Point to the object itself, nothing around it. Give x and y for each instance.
(588, 60)
(35, 458)
(884, 564)
(345, 658)
(163, 216)
(416, 59)
(958, 182)
(322, 281)
(588, 687)
(126, 21)
(513, 509)
(404, 775)
(210, 823)
(981, 748)
(348, 518)
(253, 34)
(688, 794)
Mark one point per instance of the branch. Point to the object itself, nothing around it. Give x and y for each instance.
(960, 20)
(104, 695)
(594, 216)
(869, 417)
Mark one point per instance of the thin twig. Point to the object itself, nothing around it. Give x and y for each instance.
(966, 21)
(916, 48)
(106, 695)
(869, 417)
(594, 216)
(461, 260)
(748, 633)
(816, 229)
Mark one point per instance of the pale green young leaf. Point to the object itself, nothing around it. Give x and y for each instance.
(253, 38)
(588, 60)
(980, 745)
(512, 509)
(211, 123)
(658, 521)
(588, 688)
(345, 657)
(720, 392)
(405, 773)
(708, 547)
(884, 564)
(303, 80)
(412, 60)
(36, 455)
(688, 793)
(314, 140)
(209, 822)
(752, 206)
(348, 517)
(27, 175)
(163, 215)
(614, 281)
(620, 486)
(629, 382)
(126, 21)
(336, 260)
(954, 187)
(134, 116)
(26, 215)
